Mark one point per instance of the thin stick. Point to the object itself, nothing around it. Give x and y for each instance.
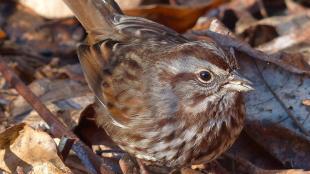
(92, 162)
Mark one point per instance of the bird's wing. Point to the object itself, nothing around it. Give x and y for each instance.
(115, 79)
(127, 28)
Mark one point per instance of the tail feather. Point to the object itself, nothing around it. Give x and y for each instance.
(94, 14)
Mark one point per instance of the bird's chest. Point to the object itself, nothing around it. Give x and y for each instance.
(183, 145)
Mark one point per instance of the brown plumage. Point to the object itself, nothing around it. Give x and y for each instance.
(161, 97)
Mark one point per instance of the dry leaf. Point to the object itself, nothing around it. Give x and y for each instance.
(245, 147)
(28, 30)
(2, 34)
(32, 150)
(277, 95)
(306, 102)
(291, 149)
(49, 91)
(298, 36)
(57, 8)
(294, 7)
(48, 8)
(283, 24)
(244, 166)
(179, 18)
(296, 60)
(67, 110)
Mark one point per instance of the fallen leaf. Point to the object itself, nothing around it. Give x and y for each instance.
(244, 166)
(277, 95)
(259, 34)
(306, 102)
(235, 11)
(29, 30)
(23, 65)
(179, 18)
(57, 9)
(67, 110)
(245, 147)
(49, 91)
(294, 60)
(2, 34)
(283, 24)
(286, 41)
(294, 7)
(32, 150)
(291, 149)
(48, 8)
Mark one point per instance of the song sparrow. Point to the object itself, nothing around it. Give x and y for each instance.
(161, 97)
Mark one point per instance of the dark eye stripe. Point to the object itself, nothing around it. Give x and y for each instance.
(182, 77)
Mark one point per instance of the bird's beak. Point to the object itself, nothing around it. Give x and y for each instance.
(238, 83)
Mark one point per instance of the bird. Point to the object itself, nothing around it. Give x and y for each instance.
(163, 98)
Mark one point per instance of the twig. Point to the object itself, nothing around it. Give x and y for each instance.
(93, 163)
(64, 146)
(289, 113)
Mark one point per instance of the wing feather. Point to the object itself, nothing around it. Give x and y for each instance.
(92, 66)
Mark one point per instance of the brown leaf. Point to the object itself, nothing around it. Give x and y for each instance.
(245, 147)
(89, 132)
(235, 11)
(284, 24)
(2, 34)
(294, 7)
(48, 8)
(244, 166)
(178, 18)
(277, 95)
(57, 9)
(34, 151)
(291, 149)
(29, 30)
(306, 102)
(292, 60)
(49, 91)
(295, 37)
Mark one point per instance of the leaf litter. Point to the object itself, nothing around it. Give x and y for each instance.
(271, 40)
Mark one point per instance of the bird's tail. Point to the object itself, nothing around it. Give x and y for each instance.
(94, 14)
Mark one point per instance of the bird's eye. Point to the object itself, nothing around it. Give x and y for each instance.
(204, 76)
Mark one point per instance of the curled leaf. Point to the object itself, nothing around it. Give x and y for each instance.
(33, 151)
